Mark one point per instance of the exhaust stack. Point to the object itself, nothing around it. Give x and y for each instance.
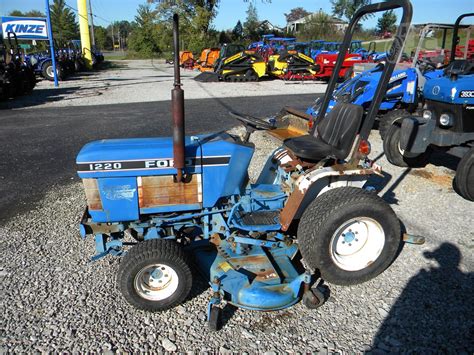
(177, 108)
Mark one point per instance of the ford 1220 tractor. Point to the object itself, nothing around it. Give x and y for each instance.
(186, 201)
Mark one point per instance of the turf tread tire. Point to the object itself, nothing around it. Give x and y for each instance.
(464, 179)
(320, 221)
(164, 251)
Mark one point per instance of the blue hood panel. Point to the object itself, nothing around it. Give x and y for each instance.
(118, 164)
(459, 91)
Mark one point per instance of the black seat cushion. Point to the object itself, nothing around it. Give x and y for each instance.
(309, 148)
(333, 137)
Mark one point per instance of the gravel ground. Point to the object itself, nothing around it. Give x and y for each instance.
(145, 81)
(53, 300)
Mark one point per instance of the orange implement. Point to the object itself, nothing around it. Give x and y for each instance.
(207, 59)
(186, 59)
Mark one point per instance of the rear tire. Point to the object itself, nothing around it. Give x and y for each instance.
(464, 179)
(396, 156)
(350, 235)
(155, 275)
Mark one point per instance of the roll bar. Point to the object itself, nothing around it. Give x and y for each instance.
(392, 57)
(455, 34)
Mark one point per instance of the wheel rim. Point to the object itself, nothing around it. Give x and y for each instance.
(357, 244)
(49, 71)
(156, 282)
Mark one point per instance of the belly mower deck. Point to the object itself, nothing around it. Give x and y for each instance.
(251, 276)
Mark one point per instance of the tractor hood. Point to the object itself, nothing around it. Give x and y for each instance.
(151, 156)
(218, 158)
(454, 91)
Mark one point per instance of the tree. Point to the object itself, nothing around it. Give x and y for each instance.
(224, 37)
(387, 22)
(238, 31)
(102, 40)
(63, 21)
(319, 26)
(251, 22)
(296, 14)
(31, 13)
(347, 8)
(143, 39)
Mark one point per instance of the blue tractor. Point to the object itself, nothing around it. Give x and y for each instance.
(406, 86)
(16, 75)
(184, 203)
(42, 64)
(446, 122)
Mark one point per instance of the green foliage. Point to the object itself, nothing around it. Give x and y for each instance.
(347, 8)
(296, 14)
(31, 13)
(387, 22)
(63, 21)
(144, 38)
(251, 23)
(319, 26)
(238, 31)
(102, 40)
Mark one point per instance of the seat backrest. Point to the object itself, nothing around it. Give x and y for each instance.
(340, 127)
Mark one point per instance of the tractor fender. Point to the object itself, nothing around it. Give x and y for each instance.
(313, 184)
(43, 62)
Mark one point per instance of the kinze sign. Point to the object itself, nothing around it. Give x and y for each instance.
(25, 27)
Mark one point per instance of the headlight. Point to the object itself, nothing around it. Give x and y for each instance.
(446, 120)
(427, 114)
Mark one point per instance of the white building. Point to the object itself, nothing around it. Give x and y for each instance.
(296, 26)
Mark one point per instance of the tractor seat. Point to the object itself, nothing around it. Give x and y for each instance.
(334, 135)
(459, 67)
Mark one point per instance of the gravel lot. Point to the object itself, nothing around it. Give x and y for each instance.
(53, 299)
(146, 81)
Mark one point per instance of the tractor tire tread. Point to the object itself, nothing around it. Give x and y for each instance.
(464, 178)
(386, 120)
(395, 157)
(168, 250)
(324, 208)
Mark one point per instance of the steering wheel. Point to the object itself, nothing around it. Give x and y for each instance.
(425, 65)
(251, 124)
(254, 122)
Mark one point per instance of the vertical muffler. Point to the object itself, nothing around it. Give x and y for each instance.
(177, 108)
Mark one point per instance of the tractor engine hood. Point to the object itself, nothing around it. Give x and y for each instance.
(116, 171)
(459, 91)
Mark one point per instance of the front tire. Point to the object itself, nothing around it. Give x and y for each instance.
(464, 179)
(387, 120)
(350, 235)
(155, 275)
(398, 157)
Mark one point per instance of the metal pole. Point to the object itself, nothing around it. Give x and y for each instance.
(84, 28)
(177, 109)
(51, 43)
(92, 24)
(113, 37)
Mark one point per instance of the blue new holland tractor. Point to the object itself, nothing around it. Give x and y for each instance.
(187, 204)
(446, 122)
(406, 86)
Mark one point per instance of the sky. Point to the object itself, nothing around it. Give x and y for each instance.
(230, 11)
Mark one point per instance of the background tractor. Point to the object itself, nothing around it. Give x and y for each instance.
(446, 122)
